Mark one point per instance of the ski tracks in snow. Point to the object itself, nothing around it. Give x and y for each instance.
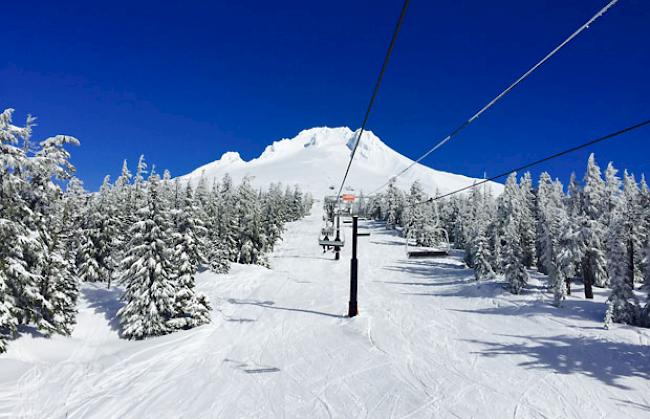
(429, 342)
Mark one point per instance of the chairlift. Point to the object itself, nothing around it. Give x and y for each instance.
(330, 238)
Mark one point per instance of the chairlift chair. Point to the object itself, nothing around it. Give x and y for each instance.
(328, 237)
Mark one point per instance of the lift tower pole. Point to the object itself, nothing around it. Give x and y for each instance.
(352, 308)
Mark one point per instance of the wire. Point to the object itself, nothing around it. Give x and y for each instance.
(536, 162)
(501, 95)
(375, 91)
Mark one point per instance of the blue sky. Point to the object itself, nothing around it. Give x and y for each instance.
(183, 82)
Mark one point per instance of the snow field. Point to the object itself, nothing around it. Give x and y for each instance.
(429, 342)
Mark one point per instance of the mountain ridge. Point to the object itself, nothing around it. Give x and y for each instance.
(316, 158)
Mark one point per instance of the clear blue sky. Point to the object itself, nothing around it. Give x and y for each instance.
(182, 82)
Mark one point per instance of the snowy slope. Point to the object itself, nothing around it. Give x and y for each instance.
(429, 342)
(316, 159)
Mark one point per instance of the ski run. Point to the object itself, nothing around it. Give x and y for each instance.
(429, 342)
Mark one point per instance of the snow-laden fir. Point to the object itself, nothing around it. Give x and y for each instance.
(161, 297)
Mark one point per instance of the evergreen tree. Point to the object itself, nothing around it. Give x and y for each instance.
(527, 225)
(515, 271)
(53, 308)
(418, 217)
(622, 305)
(149, 298)
(190, 308)
(394, 205)
(482, 260)
(74, 216)
(18, 284)
(552, 216)
(594, 266)
(250, 239)
(632, 227)
(227, 224)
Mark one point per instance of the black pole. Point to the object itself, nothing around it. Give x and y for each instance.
(337, 249)
(352, 308)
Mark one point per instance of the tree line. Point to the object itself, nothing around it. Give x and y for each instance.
(149, 233)
(595, 232)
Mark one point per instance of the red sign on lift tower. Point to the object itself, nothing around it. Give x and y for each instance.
(348, 197)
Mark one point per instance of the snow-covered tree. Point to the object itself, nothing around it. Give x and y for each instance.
(150, 301)
(250, 238)
(633, 227)
(622, 305)
(190, 308)
(527, 226)
(482, 260)
(552, 216)
(419, 217)
(394, 205)
(514, 269)
(594, 265)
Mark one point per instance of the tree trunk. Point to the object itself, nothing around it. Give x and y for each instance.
(567, 281)
(630, 267)
(588, 278)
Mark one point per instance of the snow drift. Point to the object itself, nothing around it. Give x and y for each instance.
(316, 159)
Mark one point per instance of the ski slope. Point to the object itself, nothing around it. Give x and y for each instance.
(429, 342)
(316, 158)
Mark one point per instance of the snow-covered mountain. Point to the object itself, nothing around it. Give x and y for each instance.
(316, 159)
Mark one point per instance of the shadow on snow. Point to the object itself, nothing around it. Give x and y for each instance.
(271, 305)
(106, 302)
(603, 360)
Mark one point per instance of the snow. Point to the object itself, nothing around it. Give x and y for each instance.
(316, 159)
(429, 342)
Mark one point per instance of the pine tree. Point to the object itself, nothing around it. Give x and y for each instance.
(73, 218)
(190, 308)
(482, 256)
(147, 272)
(17, 282)
(124, 206)
(527, 225)
(612, 192)
(594, 266)
(227, 224)
(88, 267)
(54, 307)
(515, 271)
(394, 205)
(622, 305)
(552, 216)
(632, 227)
(544, 191)
(644, 204)
(273, 216)
(418, 217)
(107, 232)
(250, 238)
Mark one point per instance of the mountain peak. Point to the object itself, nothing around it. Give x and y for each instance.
(316, 158)
(231, 157)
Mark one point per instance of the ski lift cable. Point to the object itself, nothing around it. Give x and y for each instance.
(536, 162)
(374, 93)
(500, 95)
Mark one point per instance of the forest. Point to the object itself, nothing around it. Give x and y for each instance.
(148, 233)
(595, 232)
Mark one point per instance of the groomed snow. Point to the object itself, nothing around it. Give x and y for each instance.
(429, 342)
(316, 159)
